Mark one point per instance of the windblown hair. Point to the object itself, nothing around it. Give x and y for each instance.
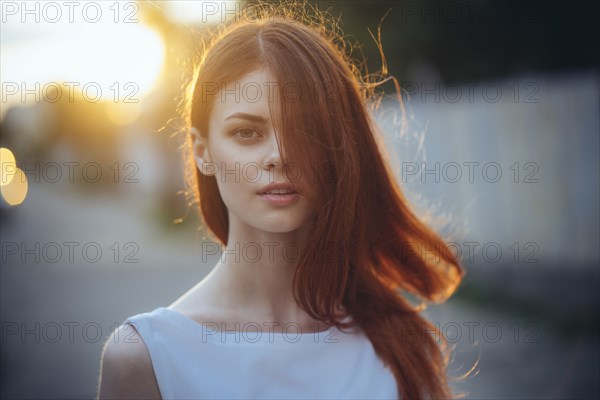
(375, 245)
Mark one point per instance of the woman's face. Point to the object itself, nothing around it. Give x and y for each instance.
(242, 153)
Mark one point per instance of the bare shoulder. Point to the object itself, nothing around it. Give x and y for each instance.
(126, 368)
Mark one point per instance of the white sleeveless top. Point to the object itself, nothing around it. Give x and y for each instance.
(203, 361)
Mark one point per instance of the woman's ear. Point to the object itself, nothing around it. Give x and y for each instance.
(201, 153)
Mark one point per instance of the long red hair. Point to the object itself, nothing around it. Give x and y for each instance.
(363, 222)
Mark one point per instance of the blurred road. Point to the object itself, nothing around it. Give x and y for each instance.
(77, 304)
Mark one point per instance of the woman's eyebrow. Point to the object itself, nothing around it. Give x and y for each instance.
(250, 117)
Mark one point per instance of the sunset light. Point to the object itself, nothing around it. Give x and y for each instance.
(104, 61)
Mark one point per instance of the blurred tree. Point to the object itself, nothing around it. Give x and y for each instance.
(475, 40)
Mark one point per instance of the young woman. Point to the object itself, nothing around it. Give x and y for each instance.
(319, 243)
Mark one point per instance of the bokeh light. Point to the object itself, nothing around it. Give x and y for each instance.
(8, 166)
(15, 191)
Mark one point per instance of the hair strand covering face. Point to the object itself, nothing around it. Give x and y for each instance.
(367, 245)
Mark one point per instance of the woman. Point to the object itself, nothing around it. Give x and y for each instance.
(319, 241)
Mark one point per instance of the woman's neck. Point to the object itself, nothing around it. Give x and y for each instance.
(252, 282)
(256, 271)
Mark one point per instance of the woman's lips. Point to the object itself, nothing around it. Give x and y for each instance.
(280, 199)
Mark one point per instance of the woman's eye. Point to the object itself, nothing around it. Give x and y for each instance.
(246, 134)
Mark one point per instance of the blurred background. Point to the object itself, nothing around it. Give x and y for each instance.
(501, 141)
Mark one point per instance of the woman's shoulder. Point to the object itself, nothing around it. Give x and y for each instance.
(126, 367)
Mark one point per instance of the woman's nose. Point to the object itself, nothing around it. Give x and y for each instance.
(273, 155)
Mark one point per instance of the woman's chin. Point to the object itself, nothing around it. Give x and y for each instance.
(278, 227)
(279, 224)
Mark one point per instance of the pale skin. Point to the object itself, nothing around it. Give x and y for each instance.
(238, 290)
